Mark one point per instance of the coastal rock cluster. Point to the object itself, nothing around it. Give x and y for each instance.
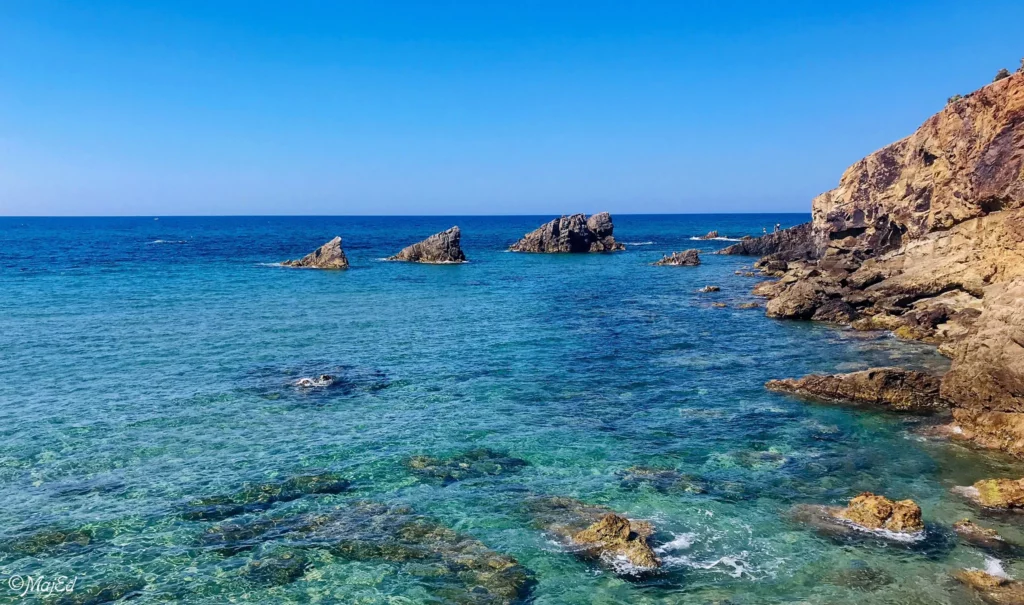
(574, 233)
(440, 248)
(925, 238)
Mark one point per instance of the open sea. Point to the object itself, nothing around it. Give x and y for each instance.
(148, 369)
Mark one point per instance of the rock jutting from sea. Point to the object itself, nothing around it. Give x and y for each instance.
(574, 233)
(925, 238)
(893, 389)
(440, 248)
(328, 256)
(686, 258)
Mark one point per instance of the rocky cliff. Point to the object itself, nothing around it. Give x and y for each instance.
(925, 237)
(575, 233)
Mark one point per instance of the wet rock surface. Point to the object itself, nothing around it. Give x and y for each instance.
(664, 480)
(1001, 494)
(996, 590)
(575, 233)
(888, 388)
(328, 256)
(982, 537)
(597, 532)
(866, 513)
(259, 497)
(440, 248)
(451, 565)
(686, 258)
(50, 541)
(315, 382)
(473, 464)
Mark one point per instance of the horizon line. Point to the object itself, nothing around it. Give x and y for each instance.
(157, 216)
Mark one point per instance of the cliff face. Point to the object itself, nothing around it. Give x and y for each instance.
(925, 237)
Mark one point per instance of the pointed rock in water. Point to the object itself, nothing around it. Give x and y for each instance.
(686, 258)
(710, 235)
(328, 256)
(1002, 494)
(440, 248)
(470, 465)
(890, 388)
(574, 233)
(997, 590)
(597, 532)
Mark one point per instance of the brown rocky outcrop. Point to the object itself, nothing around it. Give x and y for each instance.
(997, 590)
(686, 258)
(709, 235)
(575, 233)
(890, 388)
(1003, 494)
(981, 537)
(925, 238)
(328, 256)
(440, 248)
(865, 513)
(597, 532)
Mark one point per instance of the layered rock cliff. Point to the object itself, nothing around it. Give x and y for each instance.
(925, 237)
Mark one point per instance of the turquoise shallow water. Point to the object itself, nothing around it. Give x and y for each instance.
(148, 363)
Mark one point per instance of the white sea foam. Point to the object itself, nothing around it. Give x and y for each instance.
(166, 241)
(639, 243)
(717, 239)
(678, 542)
(895, 536)
(994, 567)
(733, 566)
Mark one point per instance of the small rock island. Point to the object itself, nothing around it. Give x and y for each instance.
(328, 256)
(440, 248)
(575, 233)
(686, 258)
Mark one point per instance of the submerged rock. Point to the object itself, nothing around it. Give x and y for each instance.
(473, 464)
(277, 567)
(597, 532)
(686, 258)
(662, 480)
(440, 248)
(890, 388)
(1003, 494)
(328, 256)
(707, 289)
(997, 590)
(320, 382)
(981, 537)
(49, 541)
(100, 594)
(258, 497)
(315, 382)
(749, 305)
(455, 567)
(574, 233)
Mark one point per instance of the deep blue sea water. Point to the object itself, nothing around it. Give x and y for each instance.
(146, 363)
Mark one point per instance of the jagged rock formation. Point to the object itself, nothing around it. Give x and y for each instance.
(597, 532)
(575, 233)
(709, 235)
(1005, 494)
(925, 238)
(328, 256)
(865, 513)
(686, 258)
(440, 248)
(890, 388)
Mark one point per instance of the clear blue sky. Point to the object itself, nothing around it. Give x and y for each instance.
(469, 107)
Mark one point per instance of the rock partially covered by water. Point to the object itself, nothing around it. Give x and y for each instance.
(328, 256)
(257, 497)
(51, 540)
(277, 567)
(878, 512)
(997, 590)
(709, 235)
(319, 382)
(981, 537)
(890, 388)
(707, 289)
(110, 591)
(662, 480)
(440, 248)
(865, 513)
(575, 233)
(1004, 494)
(686, 258)
(469, 465)
(597, 532)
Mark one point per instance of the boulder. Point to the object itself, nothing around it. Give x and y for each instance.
(799, 301)
(1001, 494)
(893, 389)
(981, 537)
(993, 589)
(867, 512)
(686, 258)
(574, 233)
(596, 532)
(440, 248)
(328, 256)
